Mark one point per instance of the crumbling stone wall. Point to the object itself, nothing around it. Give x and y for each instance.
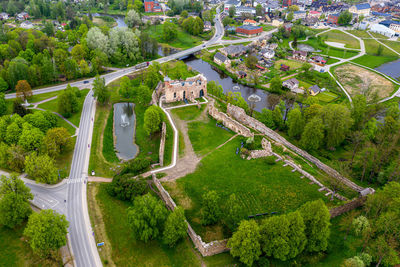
(262, 153)
(240, 115)
(206, 249)
(229, 122)
(358, 202)
(162, 143)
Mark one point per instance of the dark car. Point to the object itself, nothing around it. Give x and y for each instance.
(86, 82)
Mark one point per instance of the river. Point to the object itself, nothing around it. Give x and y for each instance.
(214, 74)
(119, 19)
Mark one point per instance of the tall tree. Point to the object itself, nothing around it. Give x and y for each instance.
(211, 211)
(295, 123)
(276, 85)
(46, 232)
(359, 111)
(58, 141)
(233, 215)
(175, 227)
(337, 122)
(41, 168)
(274, 237)
(23, 89)
(152, 119)
(132, 18)
(14, 200)
(101, 91)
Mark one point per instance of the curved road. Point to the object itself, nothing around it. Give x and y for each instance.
(70, 197)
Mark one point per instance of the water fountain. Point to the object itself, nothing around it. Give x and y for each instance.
(124, 122)
(236, 88)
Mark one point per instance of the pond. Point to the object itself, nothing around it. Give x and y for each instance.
(391, 69)
(124, 131)
(306, 48)
(214, 74)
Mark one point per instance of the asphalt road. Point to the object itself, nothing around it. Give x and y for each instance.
(74, 190)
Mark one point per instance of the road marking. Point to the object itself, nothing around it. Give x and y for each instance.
(75, 181)
(46, 201)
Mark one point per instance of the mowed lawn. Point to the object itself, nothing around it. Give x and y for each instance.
(206, 136)
(330, 50)
(394, 45)
(258, 186)
(291, 63)
(341, 37)
(126, 251)
(371, 59)
(359, 33)
(188, 113)
(326, 96)
(183, 40)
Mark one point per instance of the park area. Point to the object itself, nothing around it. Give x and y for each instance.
(376, 54)
(357, 80)
(340, 37)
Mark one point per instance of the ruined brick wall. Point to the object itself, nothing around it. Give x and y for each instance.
(162, 143)
(206, 249)
(240, 115)
(229, 122)
(262, 153)
(358, 202)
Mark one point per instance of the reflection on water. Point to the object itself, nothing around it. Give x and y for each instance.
(124, 130)
(214, 74)
(164, 51)
(120, 20)
(391, 69)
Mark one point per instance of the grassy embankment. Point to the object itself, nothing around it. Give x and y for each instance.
(372, 59)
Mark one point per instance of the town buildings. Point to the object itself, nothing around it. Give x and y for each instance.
(361, 9)
(152, 6)
(220, 59)
(184, 90)
(249, 30)
(333, 19)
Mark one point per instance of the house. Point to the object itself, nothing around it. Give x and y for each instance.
(26, 25)
(234, 50)
(288, 26)
(333, 19)
(318, 60)
(300, 55)
(152, 6)
(314, 13)
(268, 53)
(207, 26)
(361, 9)
(22, 16)
(299, 15)
(249, 30)
(381, 29)
(286, 3)
(250, 22)
(272, 46)
(284, 67)
(277, 22)
(248, 3)
(245, 10)
(242, 74)
(230, 29)
(314, 90)
(309, 21)
(181, 90)
(229, 3)
(3, 16)
(222, 59)
(291, 84)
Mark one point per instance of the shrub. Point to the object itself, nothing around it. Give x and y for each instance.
(125, 188)
(270, 160)
(136, 166)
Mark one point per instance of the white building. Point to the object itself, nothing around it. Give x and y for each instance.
(229, 3)
(26, 25)
(378, 28)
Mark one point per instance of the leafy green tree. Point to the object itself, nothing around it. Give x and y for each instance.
(295, 123)
(337, 122)
(211, 210)
(146, 217)
(14, 200)
(266, 117)
(41, 168)
(132, 18)
(170, 31)
(152, 77)
(57, 141)
(3, 85)
(316, 218)
(4, 155)
(233, 215)
(71, 69)
(276, 85)
(259, 10)
(46, 232)
(277, 117)
(101, 91)
(125, 188)
(84, 68)
(274, 239)
(296, 234)
(175, 227)
(16, 159)
(245, 242)
(251, 61)
(67, 102)
(17, 71)
(13, 133)
(31, 138)
(345, 18)
(232, 11)
(49, 28)
(142, 94)
(152, 119)
(379, 50)
(43, 120)
(78, 52)
(361, 225)
(290, 16)
(359, 111)
(3, 104)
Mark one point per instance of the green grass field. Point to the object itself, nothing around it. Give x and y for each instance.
(291, 63)
(188, 113)
(343, 38)
(330, 51)
(371, 59)
(199, 131)
(258, 186)
(359, 33)
(108, 139)
(331, 61)
(394, 45)
(184, 40)
(126, 251)
(326, 96)
(378, 35)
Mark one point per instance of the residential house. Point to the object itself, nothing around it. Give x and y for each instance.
(288, 26)
(245, 10)
(318, 60)
(249, 30)
(361, 9)
(284, 67)
(333, 19)
(248, 3)
(26, 25)
(250, 22)
(309, 21)
(314, 13)
(272, 46)
(291, 84)
(152, 6)
(271, 6)
(181, 90)
(300, 55)
(314, 90)
(22, 16)
(3, 16)
(287, 3)
(230, 29)
(299, 15)
(207, 26)
(268, 53)
(277, 22)
(234, 50)
(229, 3)
(381, 29)
(219, 58)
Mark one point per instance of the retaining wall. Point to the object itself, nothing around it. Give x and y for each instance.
(358, 202)
(240, 115)
(162, 143)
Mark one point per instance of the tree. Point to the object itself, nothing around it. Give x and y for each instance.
(358, 111)
(266, 117)
(184, 14)
(211, 211)
(3, 104)
(296, 234)
(46, 232)
(251, 61)
(277, 117)
(70, 69)
(78, 52)
(142, 95)
(274, 239)
(276, 85)
(17, 70)
(95, 39)
(101, 91)
(175, 227)
(57, 141)
(152, 119)
(259, 10)
(207, 16)
(125, 188)
(295, 123)
(361, 225)
(41, 168)
(345, 18)
(23, 89)
(290, 16)
(49, 28)
(379, 50)
(132, 18)
(306, 67)
(170, 31)
(233, 215)
(31, 138)
(67, 102)
(337, 122)
(43, 120)
(124, 45)
(3, 85)
(84, 68)
(245, 242)
(12, 134)
(14, 201)
(316, 218)
(232, 11)
(146, 217)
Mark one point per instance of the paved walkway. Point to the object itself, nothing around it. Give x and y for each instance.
(388, 47)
